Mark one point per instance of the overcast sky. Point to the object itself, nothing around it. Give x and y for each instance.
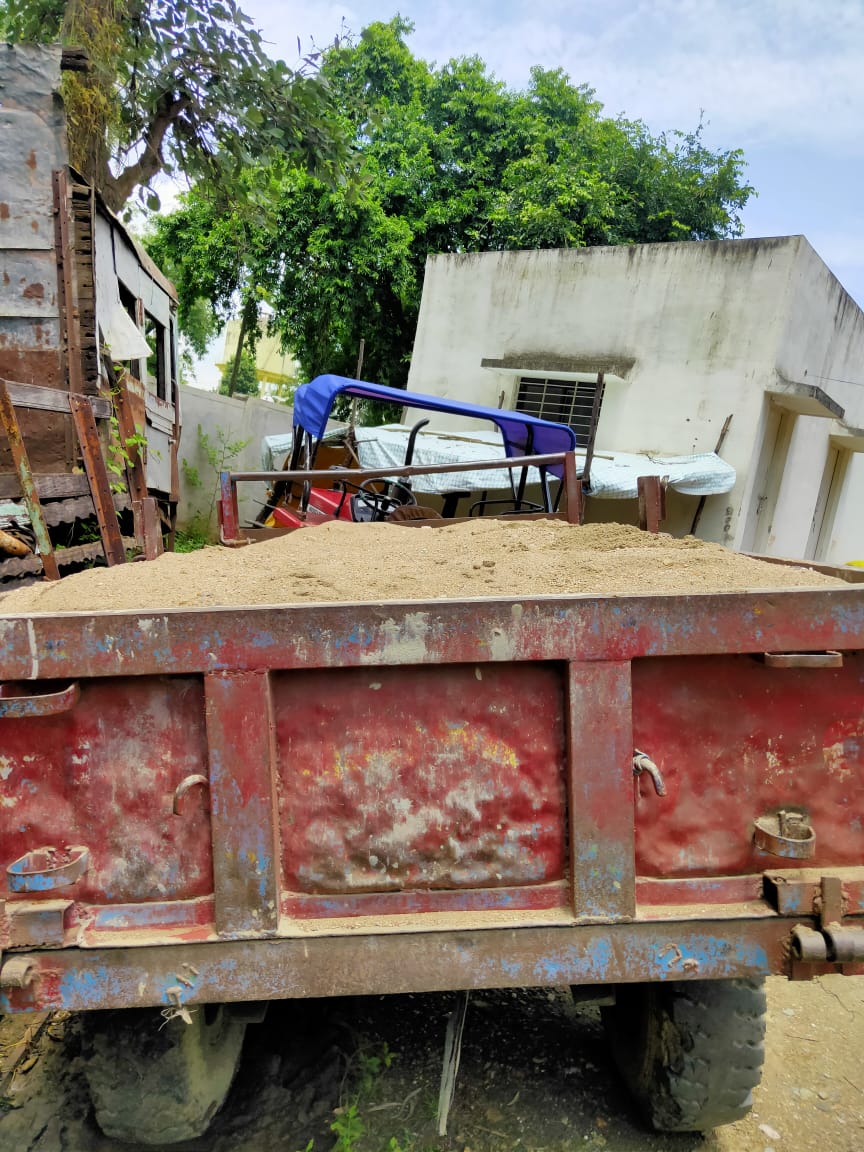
(782, 79)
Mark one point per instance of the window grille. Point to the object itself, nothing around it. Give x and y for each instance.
(565, 401)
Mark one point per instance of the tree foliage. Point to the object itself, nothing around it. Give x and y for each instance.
(454, 162)
(182, 87)
(246, 382)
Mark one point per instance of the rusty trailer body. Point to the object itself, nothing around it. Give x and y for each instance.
(308, 801)
(656, 797)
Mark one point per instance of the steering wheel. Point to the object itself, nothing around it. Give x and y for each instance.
(379, 504)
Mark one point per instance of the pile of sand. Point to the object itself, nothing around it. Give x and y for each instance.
(354, 562)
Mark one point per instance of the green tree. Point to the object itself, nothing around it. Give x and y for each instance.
(246, 381)
(452, 161)
(183, 87)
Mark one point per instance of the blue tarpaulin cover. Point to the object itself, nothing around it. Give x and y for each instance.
(314, 401)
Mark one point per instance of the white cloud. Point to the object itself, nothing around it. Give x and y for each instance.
(759, 68)
(782, 79)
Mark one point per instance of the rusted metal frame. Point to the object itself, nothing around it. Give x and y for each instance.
(241, 742)
(28, 488)
(401, 470)
(704, 890)
(99, 923)
(148, 527)
(592, 434)
(37, 923)
(526, 897)
(69, 312)
(798, 891)
(170, 641)
(229, 517)
(229, 512)
(573, 490)
(382, 963)
(104, 925)
(600, 790)
(97, 476)
(652, 502)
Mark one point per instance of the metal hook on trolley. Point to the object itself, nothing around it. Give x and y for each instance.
(643, 763)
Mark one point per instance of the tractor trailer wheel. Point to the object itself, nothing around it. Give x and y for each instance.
(691, 1052)
(158, 1082)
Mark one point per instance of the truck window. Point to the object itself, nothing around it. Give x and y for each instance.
(129, 303)
(173, 351)
(156, 374)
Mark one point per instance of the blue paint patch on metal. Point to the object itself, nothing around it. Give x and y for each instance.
(712, 955)
(794, 902)
(87, 987)
(574, 966)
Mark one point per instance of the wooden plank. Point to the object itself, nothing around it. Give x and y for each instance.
(241, 739)
(28, 488)
(97, 475)
(69, 327)
(82, 552)
(601, 791)
(128, 431)
(51, 399)
(19, 566)
(148, 527)
(58, 185)
(28, 565)
(60, 485)
(81, 508)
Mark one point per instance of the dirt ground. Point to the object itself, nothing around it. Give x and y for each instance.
(363, 1076)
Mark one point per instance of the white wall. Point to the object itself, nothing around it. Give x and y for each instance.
(847, 537)
(687, 334)
(223, 418)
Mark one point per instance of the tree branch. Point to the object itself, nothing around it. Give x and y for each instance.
(118, 189)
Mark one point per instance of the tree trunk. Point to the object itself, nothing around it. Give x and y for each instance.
(249, 312)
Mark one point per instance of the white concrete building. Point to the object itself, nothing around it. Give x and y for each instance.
(686, 335)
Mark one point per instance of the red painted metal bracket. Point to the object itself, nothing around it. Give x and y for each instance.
(243, 807)
(50, 704)
(600, 791)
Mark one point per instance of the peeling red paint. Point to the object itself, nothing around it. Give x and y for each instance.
(4, 211)
(31, 160)
(34, 292)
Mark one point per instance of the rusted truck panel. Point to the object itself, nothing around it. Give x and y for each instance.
(283, 796)
(657, 796)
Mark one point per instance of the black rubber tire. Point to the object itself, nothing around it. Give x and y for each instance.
(153, 1082)
(691, 1052)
